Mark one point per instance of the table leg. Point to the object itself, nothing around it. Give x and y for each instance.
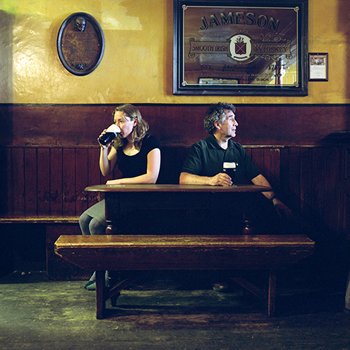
(271, 298)
(248, 207)
(247, 225)
(100, 294)
(112, 213)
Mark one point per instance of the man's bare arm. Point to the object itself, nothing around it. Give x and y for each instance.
(220, 179)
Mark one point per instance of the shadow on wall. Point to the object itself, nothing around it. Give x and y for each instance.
(6, 88)
(343, 26)
(6, 94)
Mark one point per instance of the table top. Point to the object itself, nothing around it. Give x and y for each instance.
(177, 188)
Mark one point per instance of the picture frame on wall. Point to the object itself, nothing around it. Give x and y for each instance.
(240, 47)
(80, 43)
(318, 66)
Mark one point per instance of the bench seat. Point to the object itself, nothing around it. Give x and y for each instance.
(52, 226)
(38, 219)
(181, 252)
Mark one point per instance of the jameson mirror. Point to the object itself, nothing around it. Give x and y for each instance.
(240, 47)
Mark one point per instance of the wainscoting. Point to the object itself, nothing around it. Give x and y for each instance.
(51, 180)
(49, 154)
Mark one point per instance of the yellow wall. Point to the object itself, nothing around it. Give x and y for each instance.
(137, 63)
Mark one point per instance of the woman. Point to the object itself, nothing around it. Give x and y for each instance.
(138, 157)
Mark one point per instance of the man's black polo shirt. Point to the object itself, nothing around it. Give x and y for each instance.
(206, 158)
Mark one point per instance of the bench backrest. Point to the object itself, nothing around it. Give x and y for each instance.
(51, 180)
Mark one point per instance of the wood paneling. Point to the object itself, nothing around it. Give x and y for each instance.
(50, 154)
(51, 180)
(43, 171)
(69, 170)
(174, 125)
(81, 178)
(17, 180)
(56, 181)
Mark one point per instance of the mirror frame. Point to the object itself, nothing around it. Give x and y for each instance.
(230, 87)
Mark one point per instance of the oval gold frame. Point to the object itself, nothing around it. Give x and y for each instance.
(80, 43)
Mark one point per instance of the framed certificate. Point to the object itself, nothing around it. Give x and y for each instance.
(240, 47)
(318, 66)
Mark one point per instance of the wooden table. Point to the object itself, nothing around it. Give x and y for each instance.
(165, 251)
(215, 199)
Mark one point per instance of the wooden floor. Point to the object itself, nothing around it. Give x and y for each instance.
(169, 311)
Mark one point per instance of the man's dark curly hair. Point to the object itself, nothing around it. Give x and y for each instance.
(216, 113)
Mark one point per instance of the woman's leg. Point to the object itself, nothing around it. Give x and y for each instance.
(96, 228)
(91, 226)
(84, 222)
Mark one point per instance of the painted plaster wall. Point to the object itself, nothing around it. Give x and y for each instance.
(137, 63)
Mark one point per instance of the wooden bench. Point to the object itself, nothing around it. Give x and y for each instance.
(181, 252)
(53, 226)
(38, 219)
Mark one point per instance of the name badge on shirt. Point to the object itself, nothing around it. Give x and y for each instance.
(230, 165)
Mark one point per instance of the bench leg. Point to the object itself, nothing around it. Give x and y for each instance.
(103, 293)
(114, 292)
(100, 294)
(249, 287)
(271, 298)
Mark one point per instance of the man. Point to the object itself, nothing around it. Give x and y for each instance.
(208, 158)
(205, 162)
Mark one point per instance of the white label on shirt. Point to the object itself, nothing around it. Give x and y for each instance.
(230, 165)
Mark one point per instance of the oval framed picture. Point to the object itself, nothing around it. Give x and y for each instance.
(80, 43)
